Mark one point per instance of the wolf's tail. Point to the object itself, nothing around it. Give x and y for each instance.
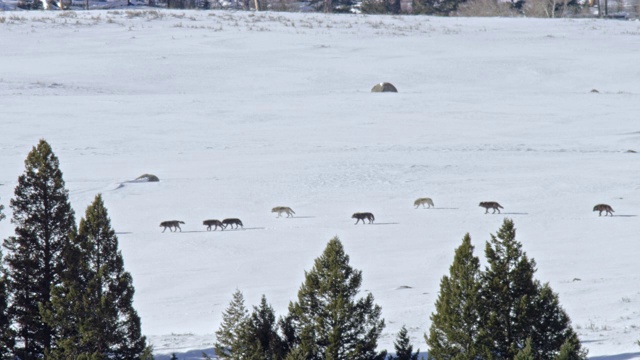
(181, 222)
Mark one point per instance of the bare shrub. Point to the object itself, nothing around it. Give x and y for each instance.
(68, 14)
(487, 8)
(549, 8)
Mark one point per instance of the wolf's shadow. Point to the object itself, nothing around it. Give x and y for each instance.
(247, 228)
(440, 208)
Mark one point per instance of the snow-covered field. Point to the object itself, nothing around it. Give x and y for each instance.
(240, 112)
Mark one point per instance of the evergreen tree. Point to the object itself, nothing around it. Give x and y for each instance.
(229, 337)
(92, 308)
(44, 218)
(527, 353)
(436, 7)
(333, 6)
(173, 357)
(6, 333)
(261, 335)
(455, 326)
(328, 321)
(571, 350)
(516, 307)
(147, 354)
(404, 349)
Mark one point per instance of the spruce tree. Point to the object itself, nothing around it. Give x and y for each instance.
(6, 333)
(43, 218)
(404, 349)
(329, 322)
(527, 353)
(571, 350)
(261, 334)
(516, 307)
(93, 306)
(455, 325)
(436, 7)
(229, 340)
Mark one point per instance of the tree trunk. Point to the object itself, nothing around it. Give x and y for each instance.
(327, 6)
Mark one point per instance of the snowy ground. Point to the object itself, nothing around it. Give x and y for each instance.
(240, 112)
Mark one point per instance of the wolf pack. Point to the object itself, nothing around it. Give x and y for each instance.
(214, 224)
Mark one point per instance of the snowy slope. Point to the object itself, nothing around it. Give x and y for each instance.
(240, 112)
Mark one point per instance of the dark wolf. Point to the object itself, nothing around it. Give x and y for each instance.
(362, 216)
(173, 225)
(491, 205)
(214, 223)
(231, 222)
(603, 207)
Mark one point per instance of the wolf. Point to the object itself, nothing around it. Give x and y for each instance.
(214, 223)
(603, 207)
(361, 216)
(231, 222)
(172, 224)
(491, 205)
(283, 209)
(422, 201)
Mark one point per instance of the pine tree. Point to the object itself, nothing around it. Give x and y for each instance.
(404, 349)
(261, 335)
(516, 307)
(455, 326)
(173, 357)
(329, 322)
(92, 308)
(44, 218)
(229, 343)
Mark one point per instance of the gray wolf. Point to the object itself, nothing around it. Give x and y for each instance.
(491, 205)
(362, 216)
(422, 201)
(172, 224)
(283, 209)
(231, 222)
(603, 207)
(214, 223)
